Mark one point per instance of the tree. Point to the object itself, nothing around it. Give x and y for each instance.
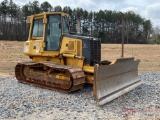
(90, 20)
(105, 24)
(35, 7)
(46, 7)
(4, 8)
(58, 9)
(67, 10)
(12, 9)
(147, 26)
(26, 10)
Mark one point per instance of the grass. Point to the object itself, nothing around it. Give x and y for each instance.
(11, 53)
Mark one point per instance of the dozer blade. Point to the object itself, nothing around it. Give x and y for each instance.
(114, 80)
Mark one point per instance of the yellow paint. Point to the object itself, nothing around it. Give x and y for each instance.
(71, 46)
(75, 62)
(68, 55)
(50, 53)
(34, 47)
(70, 52)
(89, 79)
(63, 77)
(88, 69)
(53, 59)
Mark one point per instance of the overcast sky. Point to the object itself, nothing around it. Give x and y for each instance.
(148, 9)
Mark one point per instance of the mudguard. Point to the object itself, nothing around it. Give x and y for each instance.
(114, 80)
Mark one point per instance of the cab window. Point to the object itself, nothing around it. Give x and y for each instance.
(65, 25)
(53, 32)
(37, 29)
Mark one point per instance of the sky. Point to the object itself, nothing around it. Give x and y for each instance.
(148, 9)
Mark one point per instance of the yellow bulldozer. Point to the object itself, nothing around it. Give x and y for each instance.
(65, 62)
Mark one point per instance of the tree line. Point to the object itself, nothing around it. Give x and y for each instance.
(104, 24)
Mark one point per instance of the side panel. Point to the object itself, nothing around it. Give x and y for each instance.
(113, 80)
(53, 59)
(91, 48)
(71, 46)
(33, 47)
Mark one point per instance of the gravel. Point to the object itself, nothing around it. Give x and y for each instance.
(22, 101)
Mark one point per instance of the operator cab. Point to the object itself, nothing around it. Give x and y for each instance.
(50, 27)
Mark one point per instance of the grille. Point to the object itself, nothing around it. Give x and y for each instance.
(95, 47)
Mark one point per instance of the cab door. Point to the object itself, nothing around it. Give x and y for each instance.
(53, 32)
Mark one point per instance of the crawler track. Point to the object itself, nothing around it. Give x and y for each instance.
(44, 74)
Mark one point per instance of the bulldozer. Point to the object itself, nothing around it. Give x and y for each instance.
(64, 62)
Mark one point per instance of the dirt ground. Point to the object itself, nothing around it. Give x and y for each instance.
(11, 53)
(147, 53)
